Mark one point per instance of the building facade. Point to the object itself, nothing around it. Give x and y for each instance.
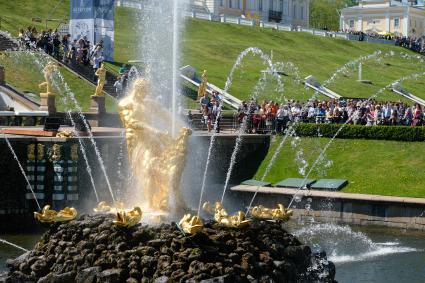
(291, 12)
(401, 17)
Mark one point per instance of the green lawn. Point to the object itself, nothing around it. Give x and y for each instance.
(23, 73)
(371, 167)
(215, 47)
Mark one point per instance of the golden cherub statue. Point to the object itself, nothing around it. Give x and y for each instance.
(128, 219)
(101, 74)
(48, 71)
(203, 85)
(238, 220)
(279, 213)
(48, 215)
(156, 158)
(191, 224)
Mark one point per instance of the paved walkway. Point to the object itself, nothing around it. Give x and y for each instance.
(327, 194)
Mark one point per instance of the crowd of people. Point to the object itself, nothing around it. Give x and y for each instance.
(412, 43)
(272, 117)
(416, 44)
(71, 52)
(211, 109)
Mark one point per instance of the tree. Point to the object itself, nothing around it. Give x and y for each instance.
(324, 14)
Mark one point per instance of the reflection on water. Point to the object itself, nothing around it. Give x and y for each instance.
(26, 241)
(368, 254)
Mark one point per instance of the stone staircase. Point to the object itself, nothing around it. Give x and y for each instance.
(7, 44)
(87, 72)
(227, 124)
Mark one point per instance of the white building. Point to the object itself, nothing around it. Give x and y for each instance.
(400, 17)
(291, 12)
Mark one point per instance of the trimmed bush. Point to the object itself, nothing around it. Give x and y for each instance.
(396, 133)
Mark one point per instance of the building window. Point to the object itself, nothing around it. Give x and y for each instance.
(260, 5)
(230, 4)
(396, 23)
(351, 23)
(294, 12)
(302, 13)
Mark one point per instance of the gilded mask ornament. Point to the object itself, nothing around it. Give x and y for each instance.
(31, 152)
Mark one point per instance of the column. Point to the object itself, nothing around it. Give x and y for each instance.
(341, 23)
(387, 23)
(406, 24)
(360, 24)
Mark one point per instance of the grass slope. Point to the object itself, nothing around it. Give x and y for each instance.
(215, 47)
(371, 167)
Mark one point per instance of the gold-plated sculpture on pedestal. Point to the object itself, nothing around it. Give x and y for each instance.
(48, 71)
(238, 220)
(203, 85)
(48, 215)
(191, 224)
(156, 158)
(279, 213)
(128, 218)
(101, 75)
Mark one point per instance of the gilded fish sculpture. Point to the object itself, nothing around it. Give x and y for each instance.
(191, 224)
(128, 219)
(48, 215)
(264, 213)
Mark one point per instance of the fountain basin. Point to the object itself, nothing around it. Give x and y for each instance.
(92, 248)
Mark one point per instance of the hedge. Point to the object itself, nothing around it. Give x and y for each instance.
(396, 133)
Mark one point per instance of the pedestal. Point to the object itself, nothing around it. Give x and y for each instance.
(98, 104)
(48, 103)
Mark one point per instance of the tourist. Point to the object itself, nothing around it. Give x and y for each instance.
(118, 86)
(216, 115)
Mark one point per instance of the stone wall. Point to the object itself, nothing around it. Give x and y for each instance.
(358, 210)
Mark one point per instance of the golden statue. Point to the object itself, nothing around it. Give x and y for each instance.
(238, 220)
(191, 224)
(128, 219)
(65, 134)
(48, 71)
(48, 215)
(156, 158)
(103, 207)
(101, 74)
(31, 152)
(55, 153)
(74, 152)
(203, 85)
(40, 151)
(279, 213)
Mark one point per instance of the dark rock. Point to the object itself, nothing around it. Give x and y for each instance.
(88, 275)
(68, 277)
(110, 276)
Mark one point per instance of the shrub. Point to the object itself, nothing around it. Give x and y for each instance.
(396, 133)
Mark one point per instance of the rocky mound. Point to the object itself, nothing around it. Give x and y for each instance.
(92, 249)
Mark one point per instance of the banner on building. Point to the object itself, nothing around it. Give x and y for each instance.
(94, 21)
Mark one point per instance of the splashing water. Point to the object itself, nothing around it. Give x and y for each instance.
(321, 155)
(242, 55)
(13, 245)
(22, 170)
(65, 101)
(259, 87)
(342, 244)
(92, 140)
